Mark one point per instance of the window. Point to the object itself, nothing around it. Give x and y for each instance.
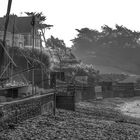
(8, 42)
(20, 44)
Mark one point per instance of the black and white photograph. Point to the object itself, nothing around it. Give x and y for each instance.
(69, 70)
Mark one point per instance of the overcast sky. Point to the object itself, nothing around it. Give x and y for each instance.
(67, 15)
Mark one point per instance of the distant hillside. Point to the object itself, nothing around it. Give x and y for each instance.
(113, 59)
(109, 69)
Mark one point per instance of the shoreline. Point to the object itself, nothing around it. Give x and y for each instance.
(131, 108)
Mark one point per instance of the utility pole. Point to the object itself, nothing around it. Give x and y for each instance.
(42, 73)
(7, 20)
(33, 25)
(13, 41)
(4, 36)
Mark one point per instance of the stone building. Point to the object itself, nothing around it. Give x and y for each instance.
(21, 30)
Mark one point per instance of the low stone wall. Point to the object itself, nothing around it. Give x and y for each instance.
(137, 92)
(123, 90)
(65, 102)
(108, 94)
(85, 93)
(17, 111)
(119, 90)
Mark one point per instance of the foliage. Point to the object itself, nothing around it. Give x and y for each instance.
(38, 20)
(40, 58)
(68, 61)
(59, 50)
(89, 69)
(56, 43)
(82, 69)
(118, 47)
(118, 37)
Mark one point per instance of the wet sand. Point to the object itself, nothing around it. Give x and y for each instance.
(132, 107)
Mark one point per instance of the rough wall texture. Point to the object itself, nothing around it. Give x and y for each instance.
(137, 92)
(123, 90)
(85, 93)
(17, 111)
(65, 102)
(119, 90)
(88, 93)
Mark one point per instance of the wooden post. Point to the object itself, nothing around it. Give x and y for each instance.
(7, 20)
(54, 108)
(3, 48)
(74, 96)
(33, 25)
(13, 41)
(42, 73)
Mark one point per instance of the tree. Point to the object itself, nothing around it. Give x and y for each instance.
(38, 24)
(108, 47)
(38, 20)
(59, 48)
(118, 37)
(56, 43)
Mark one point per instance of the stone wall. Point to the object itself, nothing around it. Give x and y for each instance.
(119, 90)
(84, 93)
(137, 92)
(65, 102)
(14, 112)
(88, 93)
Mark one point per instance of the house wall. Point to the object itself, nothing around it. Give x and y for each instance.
(18, 39)
(8, 38)
(137, 92)
(27, 91)
(28, 40)
(21, 39)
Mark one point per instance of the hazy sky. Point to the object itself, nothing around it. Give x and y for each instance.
(67, 15)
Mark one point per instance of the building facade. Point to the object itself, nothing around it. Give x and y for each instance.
(20, 32)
